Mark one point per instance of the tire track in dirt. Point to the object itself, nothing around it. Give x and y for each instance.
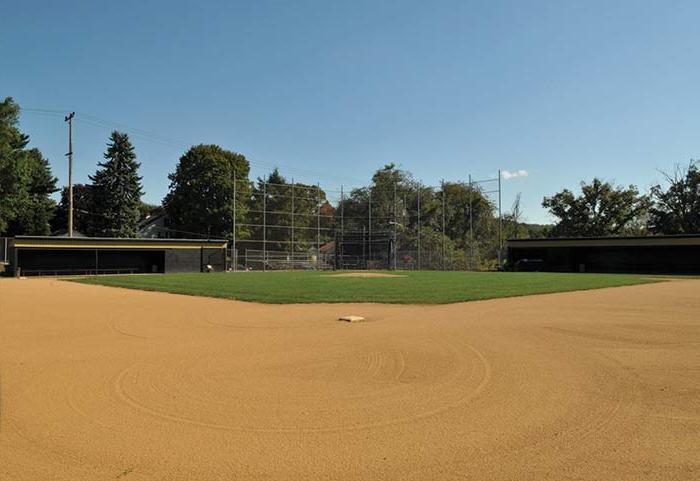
(391, 391)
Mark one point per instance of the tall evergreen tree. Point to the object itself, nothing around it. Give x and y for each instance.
(26, 181)
(117, 189)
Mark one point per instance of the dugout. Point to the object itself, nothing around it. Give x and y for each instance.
(673, 254)
(36, 255)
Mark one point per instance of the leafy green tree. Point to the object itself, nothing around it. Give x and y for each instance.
(459, 198)
(393, 193)
(117, 189)
(395, 197)
(676, 210)
(26, 182)
(279, 198)
(602, 209)
(200, 200)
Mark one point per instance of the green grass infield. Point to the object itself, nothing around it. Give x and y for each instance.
(423, 287)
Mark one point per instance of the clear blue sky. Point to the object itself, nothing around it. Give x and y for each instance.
(332, 90)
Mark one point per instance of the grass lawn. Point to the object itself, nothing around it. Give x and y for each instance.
(423, 287)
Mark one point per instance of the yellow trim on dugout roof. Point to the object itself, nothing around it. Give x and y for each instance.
(106, 245)
(638, 242)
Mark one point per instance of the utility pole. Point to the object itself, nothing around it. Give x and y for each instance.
(69, 119)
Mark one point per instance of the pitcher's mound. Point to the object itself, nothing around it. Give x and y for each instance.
(364, 274)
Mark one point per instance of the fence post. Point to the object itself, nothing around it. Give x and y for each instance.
(364, 244)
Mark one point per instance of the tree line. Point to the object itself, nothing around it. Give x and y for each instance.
(604, 209)
(200, 203)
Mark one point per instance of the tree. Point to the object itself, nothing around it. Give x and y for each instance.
(117, 189)
(602, 209)
(37, 208)
(26, 182)
(200, 200)
(513, 226)
(393, 192)
(279, 198)
(677, 209)
(146, 209)
(86, 220)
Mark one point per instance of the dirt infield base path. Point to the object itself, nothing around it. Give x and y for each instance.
(100, 383)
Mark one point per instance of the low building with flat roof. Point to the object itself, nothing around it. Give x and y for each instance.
(670, 254)
(41, 255)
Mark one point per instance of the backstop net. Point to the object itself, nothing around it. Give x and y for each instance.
(399, 224)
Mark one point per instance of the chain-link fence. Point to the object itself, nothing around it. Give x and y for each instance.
(401, 225)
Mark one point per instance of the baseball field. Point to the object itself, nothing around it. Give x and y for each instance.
(598, 383)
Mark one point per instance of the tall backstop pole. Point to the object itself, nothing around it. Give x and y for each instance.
(442, 187)
(471, 224)
(293, 215)
(419, 219)
(342, 229)
(318, 225)
(396, 223)
(264, 226)
(369, 244)
(500, 224)
(234, 254)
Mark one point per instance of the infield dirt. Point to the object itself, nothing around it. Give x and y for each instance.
(100, 383)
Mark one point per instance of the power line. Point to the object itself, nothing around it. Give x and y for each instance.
(151, 136)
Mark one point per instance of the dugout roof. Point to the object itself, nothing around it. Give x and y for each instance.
(48, 242)
(629, 241)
